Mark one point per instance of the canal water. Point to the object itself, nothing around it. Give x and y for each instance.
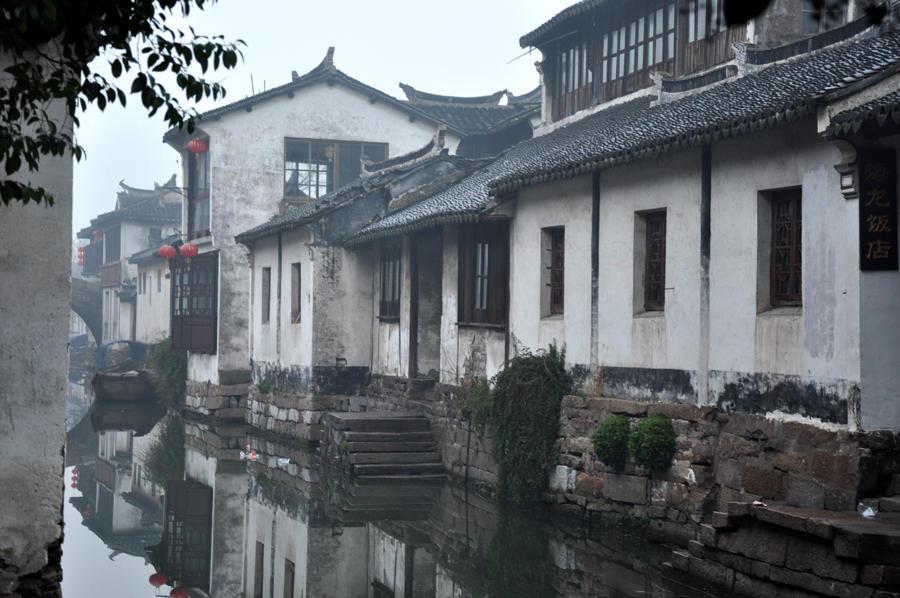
(190, 500)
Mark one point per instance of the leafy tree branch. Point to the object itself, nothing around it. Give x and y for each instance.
(49, 46)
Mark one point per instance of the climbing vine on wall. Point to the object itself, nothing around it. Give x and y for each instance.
(521, 408)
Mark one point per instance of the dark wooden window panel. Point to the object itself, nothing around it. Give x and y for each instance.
(187, 533)
(296, 287)
(655, 262)
(288, 578)
(198, 194)
(112, 243)
(390, 282)
(194, 291)
(557, 270)
(258, 573)
(93, 258)
(484, 273)
(787, 218)
(266, 294)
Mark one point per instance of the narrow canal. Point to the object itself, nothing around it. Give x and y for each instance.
(154, 493)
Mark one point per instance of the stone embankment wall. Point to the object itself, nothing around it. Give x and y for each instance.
(720, 458)
(293, 415)
(227, 402)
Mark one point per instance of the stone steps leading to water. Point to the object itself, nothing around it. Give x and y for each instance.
(385, 444)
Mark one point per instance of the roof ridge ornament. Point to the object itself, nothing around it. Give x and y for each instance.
(328, 62)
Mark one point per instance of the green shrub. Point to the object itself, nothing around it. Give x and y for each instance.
(652, 442)
(524, 421)
(611, 441)
(265, 387)
(168, 367)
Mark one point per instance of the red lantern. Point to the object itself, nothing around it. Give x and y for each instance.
(167, 252)
(198, 146)
(89, 510)
(80, 262)
(180, 592)
(81, 250)
(97, 234)
(75, 471)
(158, 579)
(189, 250)
(74, 485)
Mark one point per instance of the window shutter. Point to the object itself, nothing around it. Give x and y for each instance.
(498, 272)
(465, 296)
(194, 303)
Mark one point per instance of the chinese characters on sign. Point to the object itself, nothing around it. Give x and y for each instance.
(878, 209)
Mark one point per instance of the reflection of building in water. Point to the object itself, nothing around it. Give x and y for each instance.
(123, 519)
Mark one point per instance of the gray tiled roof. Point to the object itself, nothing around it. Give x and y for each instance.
(149, 210)
(642, 128)
(460, 124)
(779, 93)
(471, 117)
(576, 10)
(882, 110)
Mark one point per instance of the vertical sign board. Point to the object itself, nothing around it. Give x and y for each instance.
(878, 209)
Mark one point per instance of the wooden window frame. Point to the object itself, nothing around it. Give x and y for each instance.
(296, 290)
(199, 208)
(655, 261)
(266, 295)
(194, 303)
(334, 169)
(786, 283)
(112, 245)
(557, 269)
(289, 573)
(391, 278)
(483, 283)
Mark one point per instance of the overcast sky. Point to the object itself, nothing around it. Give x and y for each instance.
(457, 47)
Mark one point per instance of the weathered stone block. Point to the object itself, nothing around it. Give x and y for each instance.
(781, 518)
(724, 521)
(750, 426)
(589, 485)
(739, 509)
(840, 499)
(767, 483)
(690, 413)
(761, 570)
(890, 504)
(807, 435)
(696, 549)
(790, 462)
(816, 584)
(818, 558)
(757, 541)
(880, 575)
(617, 406)
(713, 572)
(234, 389)
(837, 469)
(707, 535)
(729, 473)
(681, 560)
(625, 488)
(805, 493)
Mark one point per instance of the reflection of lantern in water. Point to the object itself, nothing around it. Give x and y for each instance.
(180, 592)
(158, 579)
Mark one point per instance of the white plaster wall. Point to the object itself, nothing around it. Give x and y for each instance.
(387, 560)
(566, 204)
(247, 179)
(296, 338)
(154, 306)
(450, 367)
(338, 563)
(260, 525)
(668, 339)
(342, 299)
(820, 339)
(879, 322)
(35, 267)
(264, 335)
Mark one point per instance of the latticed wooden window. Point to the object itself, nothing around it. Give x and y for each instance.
(194, 293)
(390, 282)
(266, 293)
(655, 263)
(557, 270)
(112, 244)
(484, 273)
(786, 284)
